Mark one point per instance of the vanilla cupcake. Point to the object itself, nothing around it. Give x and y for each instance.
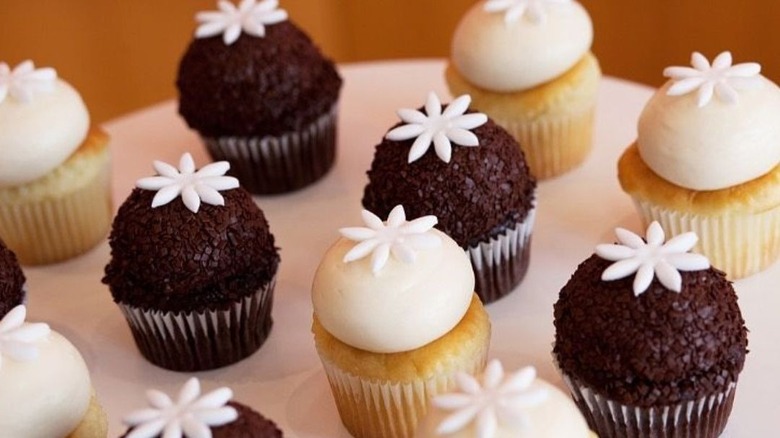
(706, 160)
(529, 67)
(46, 390)
(55, 199)
(395, 318)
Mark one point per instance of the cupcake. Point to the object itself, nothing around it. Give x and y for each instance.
(470, 173)
(261, 96)
(528, 65)
(46, 387)
(650, 339)
(395, 319)
(55, 198)
(12, 281)
(193, 277)
(706, 160)
(195, 415)
(499, 406)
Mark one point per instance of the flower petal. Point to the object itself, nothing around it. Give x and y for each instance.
(688, 261)
(685, 86)
(462, 137)
(360, 250)
(412, 116)
(487, 423)
(442, 146)
(470, 121)
(705, 94)
(13, 319)
(629, 238)
(154, 182)
(220, 183)
(520, 380)
(655, 234)
(208, 195)
(403, 252)
(680, 243)
(699, 62)
(218, 168)
(232, 32)
(433, 105)
(165, 169)
(186, 164)
(372, 220)
(620, 269)
(379, 257)
(189, 391)
(397, 216)
(644, 276)
(357, 234)
(722, 61)
(218, 417)
(193, 428)
(190, 198)
(210, 29)
(668, 276)
(141, 416)
(405, 132)
(158, 399)
(726, 94)
(493, 374)
(614, 252)
(420, 146)
(420, 225)
(676, 72)
(457, 107)
(166, 195)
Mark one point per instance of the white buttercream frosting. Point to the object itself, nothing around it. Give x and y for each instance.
(504, 56)
(403, 306)
(651, 257)
(194, 186)
(701, 143)
(25, 81)
(46, 396)
(514, 10)
(39, 135)
(230, 21)
(514, 406)
(192, 415)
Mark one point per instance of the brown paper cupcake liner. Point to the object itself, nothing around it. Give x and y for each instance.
(702, 418)
(279, 164)
(501, 263)
(738, 244)
(197, 341)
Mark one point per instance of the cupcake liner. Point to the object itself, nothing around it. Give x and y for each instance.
(386, 409)
(703, 418)
(553, 145)
(51, 229)
(279, 164)
(196, 341)
(501, 263)
(738, 244)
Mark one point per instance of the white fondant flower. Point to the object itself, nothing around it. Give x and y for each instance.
(721, 78)
(193, 186)
(18, 338)
(514, 10)
(439, 127)
(250, 17)
(498, 400)
(25, 80)
(191, 416)
(651, 257)
(396, 236)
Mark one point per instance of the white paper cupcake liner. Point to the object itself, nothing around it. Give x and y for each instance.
(739, 245)
(501, 263)
(279, 164)
(385, 409)
(195, 341)
(702, 418)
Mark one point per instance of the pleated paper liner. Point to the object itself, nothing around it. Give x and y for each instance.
(279, 164)
(196, 341)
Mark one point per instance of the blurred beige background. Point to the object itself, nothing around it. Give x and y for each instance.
(123, 54)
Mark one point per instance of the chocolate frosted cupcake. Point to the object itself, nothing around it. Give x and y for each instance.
(194, 278)
(471, 174)
(649, 356)
(12, 291)
(261, 95)
(192, 414)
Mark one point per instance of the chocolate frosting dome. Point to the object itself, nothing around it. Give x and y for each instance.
(11, 280)
(475, 196)
(658, 348)
(256, 86)
(171, 259)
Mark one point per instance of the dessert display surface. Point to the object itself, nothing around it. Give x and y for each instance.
(284, 380)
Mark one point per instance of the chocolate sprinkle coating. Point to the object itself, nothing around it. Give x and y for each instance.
(171, 259)
(11, 281)
(249, 424)
(656, 349)
(480, 192)
(256, 86)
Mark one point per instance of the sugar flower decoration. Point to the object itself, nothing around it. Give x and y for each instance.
(191, 416)
(18, 339)
(193, 186)
(514, 10)
(396, 236)
(720, 79)
(250, 17)
(24, 81)
(437, 127)
(651, 257)
(497, 400)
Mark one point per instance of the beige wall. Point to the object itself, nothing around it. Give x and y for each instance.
(122, 54)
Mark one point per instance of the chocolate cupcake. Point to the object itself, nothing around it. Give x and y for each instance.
(12, 281)
(479, 188)
(192, 414)
(657, 354)
(261, 95)
(195, 278)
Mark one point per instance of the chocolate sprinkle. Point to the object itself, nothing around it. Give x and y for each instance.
(476, 196)
(171, 259)
(656, 349)
(11, 281)
(256, 86)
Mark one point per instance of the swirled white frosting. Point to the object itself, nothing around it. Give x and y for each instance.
(717, 145)
(38, 136)
(521, 54)
(47, 397)
(402, 307)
